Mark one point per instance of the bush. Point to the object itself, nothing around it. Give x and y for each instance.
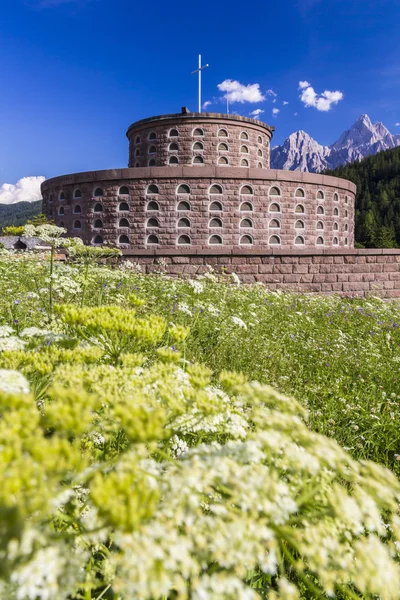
(142, 480)
(13, 230)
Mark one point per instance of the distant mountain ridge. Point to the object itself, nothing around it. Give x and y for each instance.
(19, 212)
(300, 152)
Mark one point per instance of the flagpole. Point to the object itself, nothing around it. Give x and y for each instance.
(199, 70)
(199, 82)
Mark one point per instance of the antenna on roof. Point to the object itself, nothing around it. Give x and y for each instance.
(199, 70)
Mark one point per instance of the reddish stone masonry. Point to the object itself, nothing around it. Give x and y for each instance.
(346, 273)
(202, 180)
(199, 191)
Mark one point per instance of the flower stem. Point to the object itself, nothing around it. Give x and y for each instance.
(51, 282)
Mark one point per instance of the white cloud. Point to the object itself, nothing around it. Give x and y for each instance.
(397, 124)
(207, 103)
(322, 102)
(26, 189)
(271, 92)
(275, 111)
(284, 103)
(295, 114)
(237, 92)
(256, 113)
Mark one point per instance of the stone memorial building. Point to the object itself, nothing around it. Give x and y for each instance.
(199, 191)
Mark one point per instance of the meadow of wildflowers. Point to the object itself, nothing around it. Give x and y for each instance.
(198, 440)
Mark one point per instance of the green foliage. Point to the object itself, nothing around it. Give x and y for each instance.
(136, 464)
(377, 222)
(90, 255)
(37, 220)
(19, 213)
(13, 230)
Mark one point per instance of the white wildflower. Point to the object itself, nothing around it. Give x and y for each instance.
(46, 576)
(287, 591)
(178, 445)
(183, 307)
(239, 322)
(235, 278)
(34, 331)
(13, 382)
(98, 439)
(48, 233)
(133, 267)
(11, 343)
(6, 331)
(213, 311)
(221, 586)
(196, 285)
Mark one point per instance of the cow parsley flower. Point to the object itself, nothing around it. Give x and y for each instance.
(235, 278)
(30, 332)
(196, 285)
(13, 382)
(239, 322)
(178, 445)
(11, 343)
(6, 331)
(183, 307)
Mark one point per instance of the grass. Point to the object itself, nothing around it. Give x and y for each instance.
(338, 357)
(142, 453)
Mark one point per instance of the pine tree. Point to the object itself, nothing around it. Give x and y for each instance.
(377, 177)
(385, 238)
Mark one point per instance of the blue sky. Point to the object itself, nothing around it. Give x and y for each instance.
(76, 73)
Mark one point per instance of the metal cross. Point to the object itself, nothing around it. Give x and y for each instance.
(199, 70)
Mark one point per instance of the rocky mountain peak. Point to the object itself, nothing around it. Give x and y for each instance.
(364, 119)
(300, 152)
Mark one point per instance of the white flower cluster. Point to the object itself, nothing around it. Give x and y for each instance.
(11, 342)
(197, 286)
(235, 278)
(6, 331)
(48, 233)
(65, 285)
(183, 307)
(12, 382)
(238, 321)
(31, 332)
(178, 446)
(132, 267)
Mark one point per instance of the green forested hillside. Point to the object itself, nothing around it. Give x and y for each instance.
(19, 213)
(378, 198)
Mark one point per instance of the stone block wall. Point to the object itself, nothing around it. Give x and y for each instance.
(187, 138)
(198, 192)
(353, 273)
(260, 208)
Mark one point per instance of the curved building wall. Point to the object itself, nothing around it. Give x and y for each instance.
(218, 208)
(194, 197)
(207, 139)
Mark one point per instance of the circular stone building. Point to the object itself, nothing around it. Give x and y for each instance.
(202, 180)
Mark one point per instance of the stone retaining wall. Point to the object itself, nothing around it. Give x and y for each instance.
(347, 273)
